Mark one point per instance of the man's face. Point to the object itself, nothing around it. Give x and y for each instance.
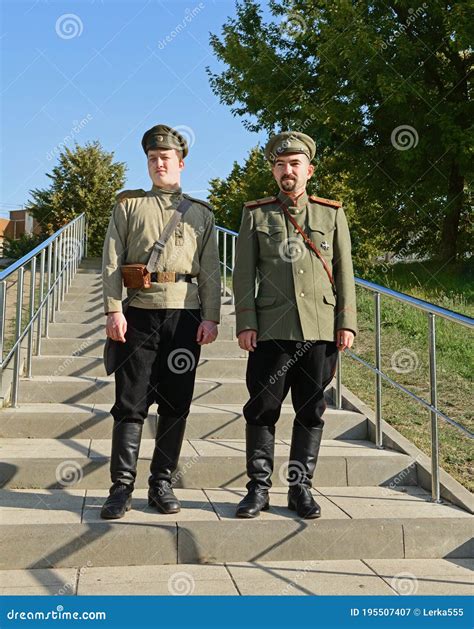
(292, 171)
(164, 167)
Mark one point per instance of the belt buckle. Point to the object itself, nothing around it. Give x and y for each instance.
(166, 276)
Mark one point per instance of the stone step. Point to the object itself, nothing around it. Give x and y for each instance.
(50, 463)
(87, 287)
(95, 347)
(93, 366)
(219, 421)
(64, 529)
(75, 301)
(349, 577)
(98, 317)
(78, 316)
(93, 294)
(101, 390)
(97, 331)
(91, 263)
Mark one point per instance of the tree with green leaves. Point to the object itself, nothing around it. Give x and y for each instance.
(227, 195)
(86, 179)
(383, 88)
(254, 180)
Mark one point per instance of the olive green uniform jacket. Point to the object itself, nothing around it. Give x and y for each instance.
(294, 298)
(137, 220)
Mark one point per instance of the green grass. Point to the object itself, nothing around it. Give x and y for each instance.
(405, 358)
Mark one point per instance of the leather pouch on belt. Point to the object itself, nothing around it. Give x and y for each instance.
(135, 276)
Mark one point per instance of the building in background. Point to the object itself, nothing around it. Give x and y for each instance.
(17, 223)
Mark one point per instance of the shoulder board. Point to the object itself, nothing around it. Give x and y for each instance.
(129, 194)
(334, 204)
(258, 202)
(200, 201)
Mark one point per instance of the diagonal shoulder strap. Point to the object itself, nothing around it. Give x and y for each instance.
(310, 244)
(166, 234)
(159, 245)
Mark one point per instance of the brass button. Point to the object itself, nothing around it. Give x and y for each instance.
(301, 294)
(301, 271)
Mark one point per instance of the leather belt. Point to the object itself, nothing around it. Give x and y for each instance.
(170, 276)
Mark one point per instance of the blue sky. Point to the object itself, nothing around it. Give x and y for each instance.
(109, 70)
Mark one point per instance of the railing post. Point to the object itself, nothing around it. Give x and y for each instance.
(77, 250)
(378, 377)
(48, 292)
(224, 253)
(85, 236)
(55, 283)
(339, 381)
(3, 310)
(67, 256)
(29, 351)
(62, 268)
(39, 322)
(435, 487)
(16, 363)
(218, 235)
(232, 268)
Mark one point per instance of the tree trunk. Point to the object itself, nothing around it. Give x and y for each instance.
(450, 229)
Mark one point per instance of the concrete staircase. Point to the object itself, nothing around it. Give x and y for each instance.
(379, 532)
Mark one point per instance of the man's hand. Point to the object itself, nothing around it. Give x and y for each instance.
(207, 332)
(344, 339)
(116, 326)
(248, 340)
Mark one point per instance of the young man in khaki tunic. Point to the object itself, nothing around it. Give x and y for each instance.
(163, 329)
(303, 313)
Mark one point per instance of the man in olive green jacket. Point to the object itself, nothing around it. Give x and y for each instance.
(164, 327)
(297, 249)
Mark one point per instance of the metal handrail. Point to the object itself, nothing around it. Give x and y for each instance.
(59, 257)
(433, 312)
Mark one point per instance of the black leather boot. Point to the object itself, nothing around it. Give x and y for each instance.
(126, 439)
(260, 447)
(304, 451)
(168, 442)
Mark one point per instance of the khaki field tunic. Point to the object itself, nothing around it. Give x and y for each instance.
(294, 298)
(135, 224)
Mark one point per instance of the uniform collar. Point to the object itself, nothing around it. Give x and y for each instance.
(301, 201)
(165, 191)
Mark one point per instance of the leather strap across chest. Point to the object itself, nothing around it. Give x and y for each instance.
(310, 244)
